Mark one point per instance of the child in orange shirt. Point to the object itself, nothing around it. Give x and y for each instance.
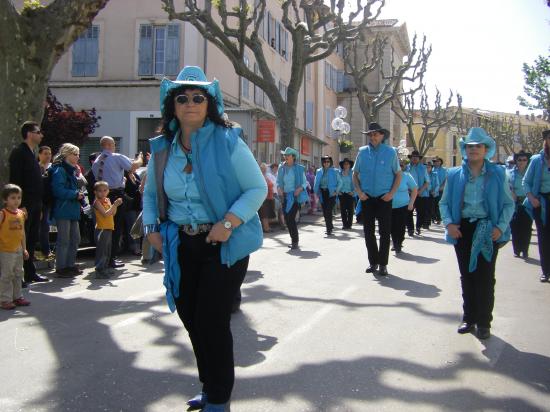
(12, 248)
(105, 224)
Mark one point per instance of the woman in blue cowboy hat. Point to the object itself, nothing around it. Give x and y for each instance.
(476, 209)
(291, 185)
(326, 186)
(200, 207)
(521, 223)
(537, 189)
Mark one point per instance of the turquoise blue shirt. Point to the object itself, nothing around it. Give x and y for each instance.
(347, 182)
(324, 180)
(289, 181)
(441, 175)
(474, 207)
(377, 168)
(402, 197)
(516, 182)
(419, 172)
(545, 182)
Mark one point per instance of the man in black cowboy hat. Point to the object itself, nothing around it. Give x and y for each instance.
(376, 177)
(420, 175)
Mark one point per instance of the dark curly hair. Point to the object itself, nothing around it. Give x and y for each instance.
(168, 115)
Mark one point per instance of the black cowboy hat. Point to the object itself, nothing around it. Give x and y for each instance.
(327, 157)
(415, 153)
(522, 154)
(344, 161)
(375, 127)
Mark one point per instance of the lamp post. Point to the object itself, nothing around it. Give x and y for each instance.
(343, 128)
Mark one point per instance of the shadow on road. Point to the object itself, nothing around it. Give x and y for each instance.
(415, 258)
(413, 288)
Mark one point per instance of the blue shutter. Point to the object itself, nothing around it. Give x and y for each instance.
(278, 36)
(92, 51)
(340, 85)
(79, 56)
(173, 50)
(145, 50)
(309, 115)
(160, 52)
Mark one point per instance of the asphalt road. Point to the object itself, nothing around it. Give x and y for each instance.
(315, 333)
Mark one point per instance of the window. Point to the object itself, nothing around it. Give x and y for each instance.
(245, 84)
(340, 82)
(333, 78)
(158, 50)
(86, 54)
(283, 88)
(328, 120)
(309, 116)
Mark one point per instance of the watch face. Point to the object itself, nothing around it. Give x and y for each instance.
(227, 224)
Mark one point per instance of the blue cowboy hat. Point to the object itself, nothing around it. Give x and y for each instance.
(477, 135)
(192, 76)
(290, 151)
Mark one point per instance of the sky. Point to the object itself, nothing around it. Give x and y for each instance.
(479, 46)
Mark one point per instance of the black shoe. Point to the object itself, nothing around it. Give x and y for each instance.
(37, 279)
(525, 255)
(466, 327)
(294, 246)
(372, 269)
(398, 249)
(197, 402)
(516, 255)
(115, 264)
(411, 234)
(544, 278)
(24, 284)
(383, 271)
(483, 333)
(418, 231)
(392, 248)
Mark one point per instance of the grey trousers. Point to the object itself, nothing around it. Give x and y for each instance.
(103, 241)
(11, 269)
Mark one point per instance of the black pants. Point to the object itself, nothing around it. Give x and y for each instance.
(374, 208)
(420, 206)
(437, 213)
(398, 223)
(478, 287)
(328, 206)
(290, 219)
(32, 232)
(543, 236)
(347, 209)
(119, 220)
(521, 225)
(207, 290)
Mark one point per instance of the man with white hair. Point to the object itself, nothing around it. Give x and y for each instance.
(110, 166)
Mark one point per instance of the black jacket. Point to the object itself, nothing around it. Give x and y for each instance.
(25, 172)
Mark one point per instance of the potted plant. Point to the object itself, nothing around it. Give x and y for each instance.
(345, 145)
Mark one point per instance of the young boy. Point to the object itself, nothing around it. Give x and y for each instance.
(105, 224)
(12, 248)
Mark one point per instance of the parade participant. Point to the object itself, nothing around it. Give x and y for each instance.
(347, 194)
(402, 204)
(442, 176)
(267, 210)
(25, 173)
(476, 209)
(291, 184)
(376, 177)
(420, 175)
(327, 186)
(66, 209)
(521, 223)
(433, 191)
(536, 184)
(205, 188)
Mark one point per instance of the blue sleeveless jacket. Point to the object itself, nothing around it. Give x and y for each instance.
(299, 171)
(332, 181)
(532, 182)
(494, 196)
(376, 173)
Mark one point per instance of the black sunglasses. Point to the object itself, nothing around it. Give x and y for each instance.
(184, 99)
(37, 131)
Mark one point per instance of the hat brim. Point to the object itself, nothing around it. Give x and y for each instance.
(491, 148)
(415, 155)
(385, 131)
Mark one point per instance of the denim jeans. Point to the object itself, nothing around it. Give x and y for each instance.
(68, 239)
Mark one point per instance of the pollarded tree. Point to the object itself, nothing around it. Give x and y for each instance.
(315, 29)
(365, 55)
(430, 120)
(537, 86)
(31, 42)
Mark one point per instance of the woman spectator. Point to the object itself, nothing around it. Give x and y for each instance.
(44, 160)
(476, 209)
(205, 188)
(267, 210)
(347, 193)
(521, 223)
(402, 204)
(66, 209)
(537, 189)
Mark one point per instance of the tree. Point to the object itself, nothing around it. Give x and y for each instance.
(32, 41)
(537, 86)
(430, 120)
(362, 59)
(315, 30)
(62, 124)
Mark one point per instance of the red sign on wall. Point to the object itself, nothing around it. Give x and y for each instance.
(265, 131)
(305, 146)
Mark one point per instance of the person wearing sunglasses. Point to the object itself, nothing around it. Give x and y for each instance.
(326, 186)
(25, 172)
(476, 209)
(521, 223)
(537, 189)
(200, 205)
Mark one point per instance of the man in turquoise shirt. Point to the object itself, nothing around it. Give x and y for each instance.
(420, 175)
(376, 177)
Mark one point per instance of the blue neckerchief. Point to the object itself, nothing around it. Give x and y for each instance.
(482, 242)
(289, 201)
(172, 272)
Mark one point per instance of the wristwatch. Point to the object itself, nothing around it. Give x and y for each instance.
(227, 224)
